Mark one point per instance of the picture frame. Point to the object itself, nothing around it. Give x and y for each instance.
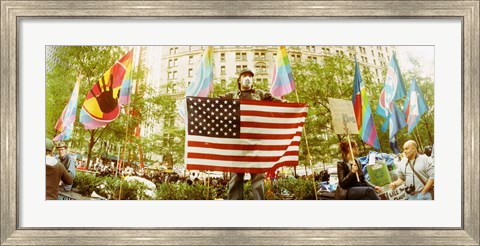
(13, 11)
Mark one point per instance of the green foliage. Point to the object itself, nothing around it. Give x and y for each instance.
(301, 188)
(109, 187)
(184, 191)
(85, 183)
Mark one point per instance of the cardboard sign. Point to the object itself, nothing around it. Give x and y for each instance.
(395, 194)
(343, 116)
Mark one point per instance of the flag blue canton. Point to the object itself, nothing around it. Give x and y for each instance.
(213, 117)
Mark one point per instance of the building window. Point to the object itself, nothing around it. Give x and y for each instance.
(241, 56)
(170, 63)
(261, 69)
(240, 68)
(173, 50)
(315, 59)
(190, 60)
(296, 57)
(174, 75)
(259, 56)
(222, 70)
(373, 53)
(190, 72)
(311, 48)
(169, 75)
(374, 61)
(222, 56)
(175, 62)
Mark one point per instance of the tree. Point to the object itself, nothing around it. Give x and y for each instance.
(68, 62)
(315, 83)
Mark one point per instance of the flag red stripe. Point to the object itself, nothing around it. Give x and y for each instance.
(272, 114)
(240, 158)
(239, 169)
(240, 146)
(273, 104)
(271, 125)
(268, 136)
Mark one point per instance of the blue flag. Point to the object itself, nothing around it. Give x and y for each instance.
(414, 106)
(397, 121)
(394, 89)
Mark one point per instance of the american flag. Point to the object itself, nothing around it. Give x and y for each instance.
(246, 136)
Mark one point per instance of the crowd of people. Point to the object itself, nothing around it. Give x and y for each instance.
(415, 170)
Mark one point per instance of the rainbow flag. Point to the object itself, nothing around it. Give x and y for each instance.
(202, 83)
(363, 112)
(102, 104)
(126, 89)
(65, 122)
(282, 78)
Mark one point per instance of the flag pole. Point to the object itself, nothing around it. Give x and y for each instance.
(417, 136)
(123, 152)
(127, 111)
(309, 157)
(351, 152)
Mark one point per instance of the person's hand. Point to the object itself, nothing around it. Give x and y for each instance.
(354, 167)
(393, 185)
(378, 189)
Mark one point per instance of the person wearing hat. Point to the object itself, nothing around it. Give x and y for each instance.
(246, 90)
(55, 172)
(67, 160)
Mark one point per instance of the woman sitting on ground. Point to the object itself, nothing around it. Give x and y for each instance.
(347, 177)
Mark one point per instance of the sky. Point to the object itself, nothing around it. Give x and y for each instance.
(424, 54)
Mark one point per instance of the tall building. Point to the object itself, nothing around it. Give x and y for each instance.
(179, 63)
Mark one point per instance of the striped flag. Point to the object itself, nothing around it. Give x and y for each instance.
(245, 136)
(282, 80)
(363, 112)
(65, 122)
(126, 90)
(202, 82)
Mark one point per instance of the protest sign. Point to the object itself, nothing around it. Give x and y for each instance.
(343, 116)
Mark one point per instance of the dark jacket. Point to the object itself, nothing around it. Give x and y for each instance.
(253, 94)
(347, 179)
(55, 173)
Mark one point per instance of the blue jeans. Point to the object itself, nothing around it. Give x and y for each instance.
(235, 186)
(427, 196)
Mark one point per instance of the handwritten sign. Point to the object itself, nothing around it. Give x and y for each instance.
(343, 116)
(396, 194)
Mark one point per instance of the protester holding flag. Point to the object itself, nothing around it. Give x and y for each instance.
(417, 171)
(247, 91)
(347, 179)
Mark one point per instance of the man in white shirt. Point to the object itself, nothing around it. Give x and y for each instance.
(417, 171)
